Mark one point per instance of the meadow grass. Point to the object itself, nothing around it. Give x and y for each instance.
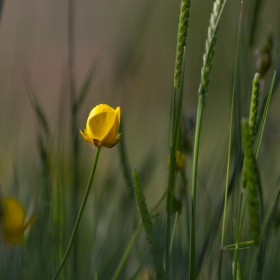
(214, 213)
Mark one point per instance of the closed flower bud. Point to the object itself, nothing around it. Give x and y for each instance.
(13, 220)
(102, 126)
(180, 161)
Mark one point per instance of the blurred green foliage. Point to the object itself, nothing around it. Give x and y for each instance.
(124, 55)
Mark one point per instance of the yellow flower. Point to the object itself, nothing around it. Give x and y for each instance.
(147, 274)
(102, 126)
(180, 161)
(13, 220)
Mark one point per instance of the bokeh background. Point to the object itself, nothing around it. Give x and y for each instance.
(129, 47)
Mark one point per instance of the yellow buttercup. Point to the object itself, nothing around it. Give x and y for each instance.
(13, 220)
(102, 126)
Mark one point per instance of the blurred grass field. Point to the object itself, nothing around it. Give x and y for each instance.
(126, 53)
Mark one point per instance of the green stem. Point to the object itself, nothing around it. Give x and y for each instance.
(261, 130)
(202, 92)
(239, 228)
(79, 215)
(201, 100)
(231, 122)
(220, 263)
(173, 232)
(171, 180)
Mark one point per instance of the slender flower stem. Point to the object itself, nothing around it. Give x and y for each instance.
(79, 215)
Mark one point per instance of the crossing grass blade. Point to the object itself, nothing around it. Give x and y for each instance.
(261, 130)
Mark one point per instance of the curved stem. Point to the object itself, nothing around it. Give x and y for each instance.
(79, 215)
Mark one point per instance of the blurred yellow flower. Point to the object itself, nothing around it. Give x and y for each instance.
(147, 274)
(13, 220)
(102, 126)
(180, 161)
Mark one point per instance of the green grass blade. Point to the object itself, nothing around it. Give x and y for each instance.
(242, 246)
(85, 87)
(41, 117)
(230, 130)
(261, 130)
(148, 225)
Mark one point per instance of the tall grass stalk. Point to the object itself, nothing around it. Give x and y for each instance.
(253, 116)
(80, 214)
(203, 89)
(231, 124)
(176, 117)
(253, 121)
(253, 132)
(229, 150)
(253, 181)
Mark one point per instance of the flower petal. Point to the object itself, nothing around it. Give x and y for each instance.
(13, 220)
(13, 215)
(118, 112)
(86, 137)
(114, 142)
